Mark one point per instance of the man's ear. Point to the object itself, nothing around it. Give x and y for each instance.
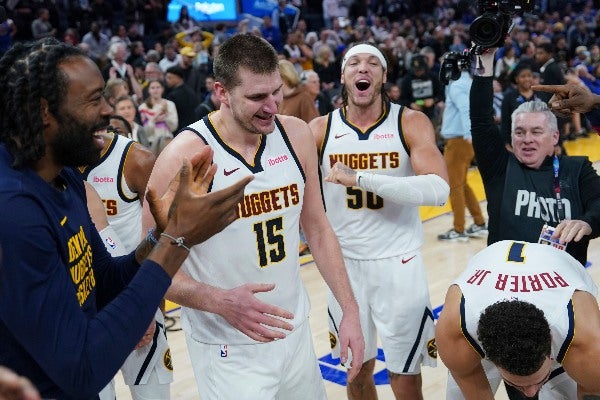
(45, 112)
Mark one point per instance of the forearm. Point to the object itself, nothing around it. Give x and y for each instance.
(418, 190)
(328, 257)
(188, 292)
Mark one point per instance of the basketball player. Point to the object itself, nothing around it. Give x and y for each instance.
(381, 163)
(69, 312)
(242, 291)
(120, 178)
(525, 313)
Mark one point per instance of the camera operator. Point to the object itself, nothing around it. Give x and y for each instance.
(522, 191)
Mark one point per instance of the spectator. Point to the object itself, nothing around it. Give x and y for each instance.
(159, 117)
(518, 93)
(297, 101)
(210, 104)
(98, 44)
(170, 59)
(421, 90)
(458, 154)
(271, 34)
(126, 108)
(312, 84)
(182, 95)
(41, 26)
(118, 68)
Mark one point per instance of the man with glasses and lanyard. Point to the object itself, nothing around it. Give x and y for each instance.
(516, 316)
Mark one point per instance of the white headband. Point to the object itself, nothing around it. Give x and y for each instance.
(364, 48)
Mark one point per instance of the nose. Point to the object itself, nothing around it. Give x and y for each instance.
(530, 391)
(106, 108)
(271, 105)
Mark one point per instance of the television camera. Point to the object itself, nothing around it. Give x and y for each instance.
(488, 30)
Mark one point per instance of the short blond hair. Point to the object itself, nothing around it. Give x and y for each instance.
(288, 73)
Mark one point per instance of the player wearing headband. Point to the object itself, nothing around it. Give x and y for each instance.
(381, 163)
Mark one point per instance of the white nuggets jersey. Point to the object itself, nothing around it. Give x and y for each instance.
(259, 247)
(123, 207)
(531, 272)
(369, 227)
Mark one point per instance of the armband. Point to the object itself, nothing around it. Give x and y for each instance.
(420, 190)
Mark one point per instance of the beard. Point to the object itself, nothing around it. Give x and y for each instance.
(74, 145)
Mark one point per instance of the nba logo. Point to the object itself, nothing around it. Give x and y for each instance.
(223, 350)
(111, 243)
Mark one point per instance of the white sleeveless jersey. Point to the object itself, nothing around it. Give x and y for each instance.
(259, 247)
(123, 207)
(368, 226)
(531, 272)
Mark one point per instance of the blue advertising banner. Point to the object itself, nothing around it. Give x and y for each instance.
(204, 10)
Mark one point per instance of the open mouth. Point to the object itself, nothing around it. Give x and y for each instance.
(363, 85)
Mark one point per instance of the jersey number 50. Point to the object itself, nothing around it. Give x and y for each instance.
(357, 198)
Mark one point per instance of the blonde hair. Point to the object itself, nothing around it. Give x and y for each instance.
(288, 73)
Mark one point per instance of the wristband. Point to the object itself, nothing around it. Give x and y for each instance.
(150, 239)
(177, 241)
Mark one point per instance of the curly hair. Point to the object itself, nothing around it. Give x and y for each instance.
(242, 50)
(515, 336)
(29, 72)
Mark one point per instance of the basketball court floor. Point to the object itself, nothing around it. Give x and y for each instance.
(443, 260)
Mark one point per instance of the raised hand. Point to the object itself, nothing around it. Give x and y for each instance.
(204, 172)
(195, 214)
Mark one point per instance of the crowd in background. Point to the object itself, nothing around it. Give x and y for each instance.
(133, 41)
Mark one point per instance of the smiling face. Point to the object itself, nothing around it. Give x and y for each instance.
(532, 139)
(83, 115)
(363, 76)
(254, 102)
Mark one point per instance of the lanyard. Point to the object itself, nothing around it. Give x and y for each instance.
(559, 204)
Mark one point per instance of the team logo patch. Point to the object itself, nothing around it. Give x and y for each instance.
(111, 243)
(432, 348)
(332, 340)
(224, 352)
(167, 361)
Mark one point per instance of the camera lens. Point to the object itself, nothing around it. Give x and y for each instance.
(487, 30)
